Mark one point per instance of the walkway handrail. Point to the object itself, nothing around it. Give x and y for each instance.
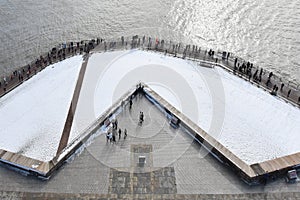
(289, 91)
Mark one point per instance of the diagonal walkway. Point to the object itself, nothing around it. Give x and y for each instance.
(69, 121)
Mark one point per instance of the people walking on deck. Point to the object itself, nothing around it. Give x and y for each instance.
(130, 102)
(270, 75)
(116, 124)
(235, 62)
(260, 74)
(268, 81)
(122, 39)
(249, 76)
(275, 89)
(255, 75)
(110, 137)
(114, 138)
(281, 87)
(107, 137)
(125, 133)
(289, 92)
(120, 132)
(141, 117)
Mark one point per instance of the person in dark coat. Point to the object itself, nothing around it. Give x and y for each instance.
(120, 132)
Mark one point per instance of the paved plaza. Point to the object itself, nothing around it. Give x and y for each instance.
(176, 167)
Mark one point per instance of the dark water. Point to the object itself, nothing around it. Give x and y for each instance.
(266, 32)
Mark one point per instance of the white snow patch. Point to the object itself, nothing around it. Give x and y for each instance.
(32, 116)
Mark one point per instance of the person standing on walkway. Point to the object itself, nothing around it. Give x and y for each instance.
(281, 87)
(122, 39)
(289, 92)
(270, 75)
(107, 137)
(116, 124)
(114, 137)
(235, 62)
(141, 118)
(130, 103)
(120, 132)
(125, 133)
(274, 87)
(110, 136)
(268, 81)
(260, 74)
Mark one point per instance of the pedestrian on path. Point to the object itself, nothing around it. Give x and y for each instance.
(130, 103)
(289, 92)
(125, 133)
(114, 138)
(107, 137)
(120, 132)
(116, 124)
(270, 75)
(110, 136)
(281, 87)
(141, 117)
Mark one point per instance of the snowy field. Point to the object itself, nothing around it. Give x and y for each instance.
(248, 121)
(32, 116)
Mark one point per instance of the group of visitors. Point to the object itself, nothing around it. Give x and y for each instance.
(55, 54)
(112, 134)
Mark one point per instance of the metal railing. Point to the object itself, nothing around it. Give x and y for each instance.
(240, 67)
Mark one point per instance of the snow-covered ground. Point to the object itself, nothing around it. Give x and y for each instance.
(32, 116)
(248, 121)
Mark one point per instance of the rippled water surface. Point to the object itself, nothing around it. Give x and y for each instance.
(266, 32)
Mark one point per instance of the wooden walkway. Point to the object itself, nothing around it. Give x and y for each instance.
(72, 109)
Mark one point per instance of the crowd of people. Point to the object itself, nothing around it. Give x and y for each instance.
(115, 131)
(56, 54)
(112, 134)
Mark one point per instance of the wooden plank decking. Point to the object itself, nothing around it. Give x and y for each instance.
(281, 163)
